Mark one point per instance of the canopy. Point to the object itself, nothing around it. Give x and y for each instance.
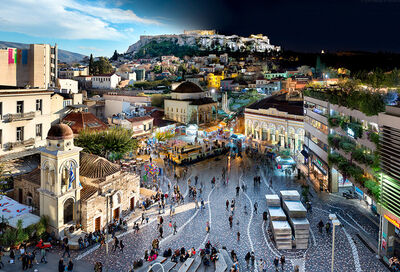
(27, 220)
(9, 208)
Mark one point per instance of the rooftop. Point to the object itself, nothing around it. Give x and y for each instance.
(280, 103)
(96, 167)
(80, 120)
(188, 87)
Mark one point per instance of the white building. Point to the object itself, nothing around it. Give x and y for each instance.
(131, 76)
(67, 85)
(107, 81)
(25, 118)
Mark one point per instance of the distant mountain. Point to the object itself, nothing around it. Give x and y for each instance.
(63, 55)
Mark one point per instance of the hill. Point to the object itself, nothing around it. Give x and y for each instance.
(63, 55)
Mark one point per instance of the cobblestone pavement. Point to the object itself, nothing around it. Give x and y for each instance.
(350, 253)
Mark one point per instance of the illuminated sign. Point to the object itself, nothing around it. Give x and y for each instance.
(17, 56)
(393, 221)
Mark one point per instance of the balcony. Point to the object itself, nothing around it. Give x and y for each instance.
(20, 116)
(25, 143)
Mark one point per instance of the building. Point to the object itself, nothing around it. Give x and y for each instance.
(190, 104)
(72, 72)
(389, 207)
(275, 120)
(73, 187)
(35, 67)
(25, 119)
(67, 85)
(214, 81)
(79, 120)
(140, 74)
(130, 76)
(335, 134)
(106, 81)
(63, 103)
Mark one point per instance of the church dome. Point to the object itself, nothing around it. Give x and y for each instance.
(60, 132)
(188, 87)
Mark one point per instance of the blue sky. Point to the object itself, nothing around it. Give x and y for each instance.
(97, 27)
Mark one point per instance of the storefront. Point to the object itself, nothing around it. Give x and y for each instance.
(390, 235)
(319, 170)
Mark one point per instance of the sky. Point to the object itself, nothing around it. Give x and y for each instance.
(100, 27)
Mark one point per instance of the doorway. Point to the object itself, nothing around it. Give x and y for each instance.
(116, 213)
(97, 224)
(132, 206)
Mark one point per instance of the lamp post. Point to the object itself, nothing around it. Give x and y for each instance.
(107, 195)
(335, 222)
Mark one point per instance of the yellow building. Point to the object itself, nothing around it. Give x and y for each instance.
(214, 81)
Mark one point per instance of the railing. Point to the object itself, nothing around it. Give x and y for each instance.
(28, 142)
(20, 116)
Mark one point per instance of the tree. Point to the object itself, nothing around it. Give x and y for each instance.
(102, 66)
(91, 64)
(305, 70)
(157, 100)
(110, 143)
(115, 56)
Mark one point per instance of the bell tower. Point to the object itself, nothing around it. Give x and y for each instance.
(59, 183)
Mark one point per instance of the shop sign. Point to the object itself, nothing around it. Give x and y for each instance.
(319, 165)
(392, 221)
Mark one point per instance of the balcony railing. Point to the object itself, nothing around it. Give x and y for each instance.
(20, 116)
(25, 143)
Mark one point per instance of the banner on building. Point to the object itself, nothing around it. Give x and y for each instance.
(17, 56)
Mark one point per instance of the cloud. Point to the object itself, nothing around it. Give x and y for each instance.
(67, 19)
(91, 48)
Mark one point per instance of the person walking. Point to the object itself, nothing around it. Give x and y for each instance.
(238, 236)
(121, 245)
(116, 243)
(276, 263)
(227, 204)
(141, 223)
(237, 190)
(161, 231)
(247, 259)
(208, 227)
(296, 268)
(66, 250)
(230, 221)
(174, 226)
(283, 260)
(61, 266)
(43, 256)
(328, 227)
(70, 266)
(320, 226)
(255, 207)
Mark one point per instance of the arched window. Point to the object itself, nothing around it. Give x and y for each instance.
(68, 211)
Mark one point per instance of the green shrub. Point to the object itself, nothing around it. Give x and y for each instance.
(374, 137)
(347, 146)
(334, 121)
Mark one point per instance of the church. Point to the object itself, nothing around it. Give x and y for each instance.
(189, 104)
(74, 188)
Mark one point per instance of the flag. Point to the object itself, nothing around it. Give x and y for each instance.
(71, 177)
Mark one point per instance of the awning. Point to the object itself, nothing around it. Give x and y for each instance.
(211, 129)
(27, 220)
(304, 153)
(9, 208)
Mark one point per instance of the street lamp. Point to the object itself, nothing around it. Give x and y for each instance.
(107, 195)
(335, 222)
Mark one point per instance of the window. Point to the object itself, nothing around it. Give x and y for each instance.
(1, 110)
(20, 106)
(1, 137)
(39, 130)
(39, 104)
(20, 134)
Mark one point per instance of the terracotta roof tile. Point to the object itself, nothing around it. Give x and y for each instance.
(96, 167)
(87, 191)
(83, 120)
(33, 176)
(139, 118)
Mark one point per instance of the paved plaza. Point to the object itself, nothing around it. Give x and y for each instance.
(350, 253)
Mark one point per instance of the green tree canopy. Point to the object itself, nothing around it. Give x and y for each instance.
(102, 66)
(113, 142)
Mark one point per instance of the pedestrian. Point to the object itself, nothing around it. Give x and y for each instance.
(70, 266)
(296, 268)
(237, 190)
(175, 228)
(238, 236)
(208, 227)
(252, 258)
(255, 207)
(227, 204)
(320, 226)
(328, 227)
(283, 260)
(116, 243)
(66, 251)
(61, 266)
(1, 258)
(142, 218)
(230, 221)
(12, 256)
(276, 263)
(247, 258)
(202, 204)
(43, 256)
(121, 245)
(161, 232)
